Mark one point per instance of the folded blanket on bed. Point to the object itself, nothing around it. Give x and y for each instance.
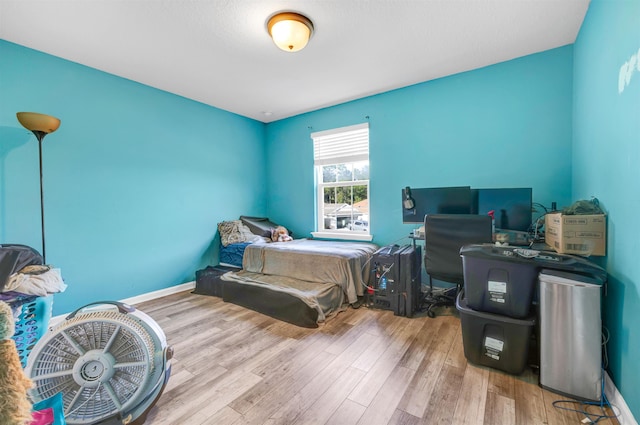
(235, 231)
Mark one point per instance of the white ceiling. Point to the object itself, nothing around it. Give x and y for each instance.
(218, 52)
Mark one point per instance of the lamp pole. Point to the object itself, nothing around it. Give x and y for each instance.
(40, 125)
(40, 135)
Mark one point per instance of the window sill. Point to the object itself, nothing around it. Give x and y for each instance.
(350, 236)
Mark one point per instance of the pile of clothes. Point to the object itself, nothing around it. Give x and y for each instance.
(23, 274)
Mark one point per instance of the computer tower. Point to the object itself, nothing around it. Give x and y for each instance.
(396, 279)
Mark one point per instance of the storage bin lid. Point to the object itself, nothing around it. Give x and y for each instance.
(539, 259)
(500, 253)
(463, 308)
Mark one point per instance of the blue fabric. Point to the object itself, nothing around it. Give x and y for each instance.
(232, 253)
(54, 402)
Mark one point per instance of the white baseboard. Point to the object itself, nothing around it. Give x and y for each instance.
(160, 293)
(139, 298)
(619, 406)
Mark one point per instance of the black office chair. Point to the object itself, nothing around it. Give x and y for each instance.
(445, 234)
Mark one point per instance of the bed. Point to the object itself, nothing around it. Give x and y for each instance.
(337, 262)
(304, 281)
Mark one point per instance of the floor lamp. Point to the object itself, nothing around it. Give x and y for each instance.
(40, 125)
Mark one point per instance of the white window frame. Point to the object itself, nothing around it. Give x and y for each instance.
(338, 146)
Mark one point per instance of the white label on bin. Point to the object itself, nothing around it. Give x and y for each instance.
(497, 297)
(493, 343)
(495, 286)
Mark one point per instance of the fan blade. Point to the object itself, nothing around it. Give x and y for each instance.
(130, 364)
(113, 395)
(57, 374)
(107, 346)
(73, 343)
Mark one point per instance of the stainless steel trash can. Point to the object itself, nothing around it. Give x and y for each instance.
(570, 334)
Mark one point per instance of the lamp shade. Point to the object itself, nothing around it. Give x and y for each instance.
(38, 122)
(290, 31)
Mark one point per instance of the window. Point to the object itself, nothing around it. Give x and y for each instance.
(341, 162)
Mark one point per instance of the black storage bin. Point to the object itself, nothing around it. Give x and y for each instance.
(499, 280)
(493, 340)
(503, 279)
(209, 282)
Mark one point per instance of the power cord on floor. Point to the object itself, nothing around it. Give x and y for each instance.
(590, 418)
(593, 418)
(582, 406)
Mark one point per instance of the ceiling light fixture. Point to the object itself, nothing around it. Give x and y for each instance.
(290, 31)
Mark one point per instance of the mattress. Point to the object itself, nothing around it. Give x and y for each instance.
(299, 302)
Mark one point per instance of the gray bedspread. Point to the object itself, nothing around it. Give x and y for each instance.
(326, 299)
(343, 263)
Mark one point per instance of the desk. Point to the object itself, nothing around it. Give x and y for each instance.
(538, 246)
(415, 238)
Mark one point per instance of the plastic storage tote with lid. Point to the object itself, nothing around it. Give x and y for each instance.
(493, 340)
(503, 279)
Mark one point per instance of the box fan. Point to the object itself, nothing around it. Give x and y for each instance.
(110, 365)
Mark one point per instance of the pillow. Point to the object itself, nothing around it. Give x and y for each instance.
(260, 226)
(229, 232)
(234, 232)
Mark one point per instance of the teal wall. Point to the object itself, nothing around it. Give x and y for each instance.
(506, 125)
(606, 164)
(135, 179)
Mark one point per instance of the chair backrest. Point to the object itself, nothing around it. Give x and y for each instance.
(445, 234)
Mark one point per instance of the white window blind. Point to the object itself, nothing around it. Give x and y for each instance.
(340, 145)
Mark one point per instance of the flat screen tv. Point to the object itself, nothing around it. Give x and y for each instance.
(511, 206)
(436, 200)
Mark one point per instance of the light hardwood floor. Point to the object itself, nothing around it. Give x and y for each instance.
(235, 366)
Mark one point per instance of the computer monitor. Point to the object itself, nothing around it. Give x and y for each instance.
(511, 206)
(436, 200)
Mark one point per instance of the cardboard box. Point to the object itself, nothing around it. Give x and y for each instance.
(576, 234)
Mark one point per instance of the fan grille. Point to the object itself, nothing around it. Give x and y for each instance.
(100, 361)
